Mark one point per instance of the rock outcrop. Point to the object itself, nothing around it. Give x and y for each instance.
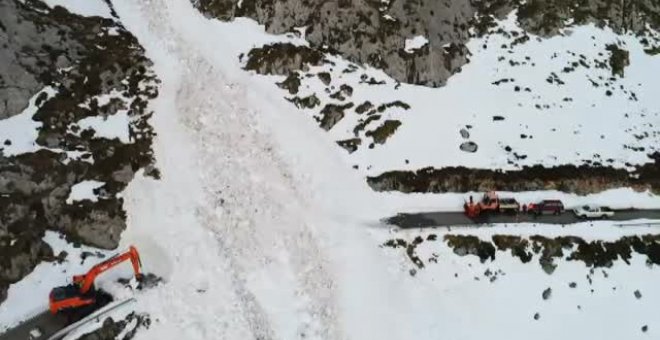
(375, 32)
(110, 330)
(581, 180)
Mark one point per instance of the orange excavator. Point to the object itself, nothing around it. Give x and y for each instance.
(81, 293)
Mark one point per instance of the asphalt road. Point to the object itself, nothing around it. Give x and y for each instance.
(46, 323)
(439, 219)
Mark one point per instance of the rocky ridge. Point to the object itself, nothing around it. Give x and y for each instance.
(582, 180)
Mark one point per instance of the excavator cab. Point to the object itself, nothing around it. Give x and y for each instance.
(81, 294)
(69, 299)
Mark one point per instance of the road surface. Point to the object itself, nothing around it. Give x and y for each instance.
(46, 323)
(439, 219)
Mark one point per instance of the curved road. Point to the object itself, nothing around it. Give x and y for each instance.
(439, 219)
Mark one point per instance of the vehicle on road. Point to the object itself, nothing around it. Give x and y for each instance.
(81, 296)
(592, 211)
(491, 203)
(545, 207)
(509, 205)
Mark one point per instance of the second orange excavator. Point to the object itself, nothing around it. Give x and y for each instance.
(82, 294)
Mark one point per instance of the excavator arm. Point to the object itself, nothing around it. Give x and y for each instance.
(86, 282)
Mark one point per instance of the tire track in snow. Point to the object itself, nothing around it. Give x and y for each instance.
(256, 317)
(249, 211)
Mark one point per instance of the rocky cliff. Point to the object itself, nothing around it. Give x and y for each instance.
(374, 32)
(94, 68)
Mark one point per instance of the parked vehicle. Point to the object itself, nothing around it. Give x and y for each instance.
(592, 211)
(490, 203)
(554, 207)
(509, 205)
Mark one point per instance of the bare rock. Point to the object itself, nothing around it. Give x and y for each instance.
(547, 293)
(308, 102)
(291, 83)
(325, 78)
(350, 145)
(364, 107)
(331, 114)
(465, 134)
(469, 147)
(282, 59)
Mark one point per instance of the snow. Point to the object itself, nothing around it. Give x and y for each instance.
(29, 297)
(84, 191)
(83, 7)
(268, 200)
(19, 133)
(590, 126)
(415, 43)
(388, 17)
(505, 307)
(20, 130)
(261, 229)
(110, 127)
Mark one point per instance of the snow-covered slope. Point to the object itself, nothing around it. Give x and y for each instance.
(548, 101)
(244, 229)
(261, 229)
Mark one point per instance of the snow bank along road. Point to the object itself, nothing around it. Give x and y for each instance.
(437, 219)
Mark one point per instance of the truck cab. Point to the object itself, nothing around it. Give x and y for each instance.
(591, 211)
